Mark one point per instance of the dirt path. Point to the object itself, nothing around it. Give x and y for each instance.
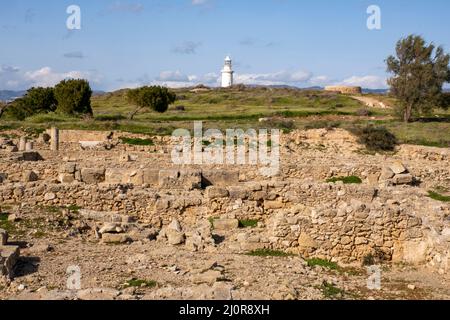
(371, 102)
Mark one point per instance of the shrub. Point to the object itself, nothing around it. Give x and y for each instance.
(346, 180)
(268, 253)
(322, 263)
(74, 97)
(137, 141)
(376, 138)
(248, 223)
(139, 283)
(363, 112)
(280, 123)
(156, 98)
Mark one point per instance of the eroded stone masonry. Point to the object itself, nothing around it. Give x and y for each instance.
(128, 193)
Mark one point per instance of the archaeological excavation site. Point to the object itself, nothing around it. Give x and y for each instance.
(85, 215)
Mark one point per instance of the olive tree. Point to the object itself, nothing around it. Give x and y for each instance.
(419, 73)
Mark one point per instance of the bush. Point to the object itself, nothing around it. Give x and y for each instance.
(363, 112)
(156, 98)
(137, 142)
(346, 180)
(74, 97)
(376, 138)
(286, 125)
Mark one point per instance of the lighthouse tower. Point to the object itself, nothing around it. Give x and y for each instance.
(227, 73)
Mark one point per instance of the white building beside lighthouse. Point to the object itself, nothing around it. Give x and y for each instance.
(227, 73)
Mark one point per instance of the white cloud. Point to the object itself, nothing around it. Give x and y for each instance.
(44, 77)
(172, 76)
(276, 78)
(369, 82)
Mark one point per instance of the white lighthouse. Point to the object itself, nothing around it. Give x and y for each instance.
(227, 73)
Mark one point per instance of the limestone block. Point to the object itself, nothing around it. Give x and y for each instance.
(151, 176)
(66, 178)
(398, 167)
(216, 192)
(115, 238)
(403, 179)
(221, 178)
(225, 224)
(93, 175)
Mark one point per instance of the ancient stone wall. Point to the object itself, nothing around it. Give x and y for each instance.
(344, 89)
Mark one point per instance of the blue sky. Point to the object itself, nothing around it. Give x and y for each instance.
(128, 43)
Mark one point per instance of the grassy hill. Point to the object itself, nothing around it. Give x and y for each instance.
(242, 108)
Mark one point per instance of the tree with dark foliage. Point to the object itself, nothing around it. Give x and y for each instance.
(74, 97)
(419, 73)
(156, 98)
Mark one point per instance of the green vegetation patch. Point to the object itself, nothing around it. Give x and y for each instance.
(248, 223)
(139, 283)
(439, 197)
(6, 225)
(322, 263)
(268, 253)
(346, 180)
(137, 141)
(330, 291)
(376, 138)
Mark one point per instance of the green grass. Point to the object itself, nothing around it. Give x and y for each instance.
(139, 283)
(438, 197)
(330, 291)
(74, 208)
(137, 141)
(236, 108)
(6, 225)
(268, 253)
(248, 223)
(346, 180)
(52, 209)
(322, 263)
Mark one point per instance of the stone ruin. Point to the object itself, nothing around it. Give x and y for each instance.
(344, 89)
(130, 193)
(9, 255)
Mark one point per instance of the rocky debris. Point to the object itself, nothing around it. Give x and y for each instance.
(9, 255)
(29, 176)
(111, 227)
(3, 237)
(200, 238)
(184, 179)
(210, 274)
(396, 174)
(105, 216)
(173, 233)
(94, 294)
(115, 238)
